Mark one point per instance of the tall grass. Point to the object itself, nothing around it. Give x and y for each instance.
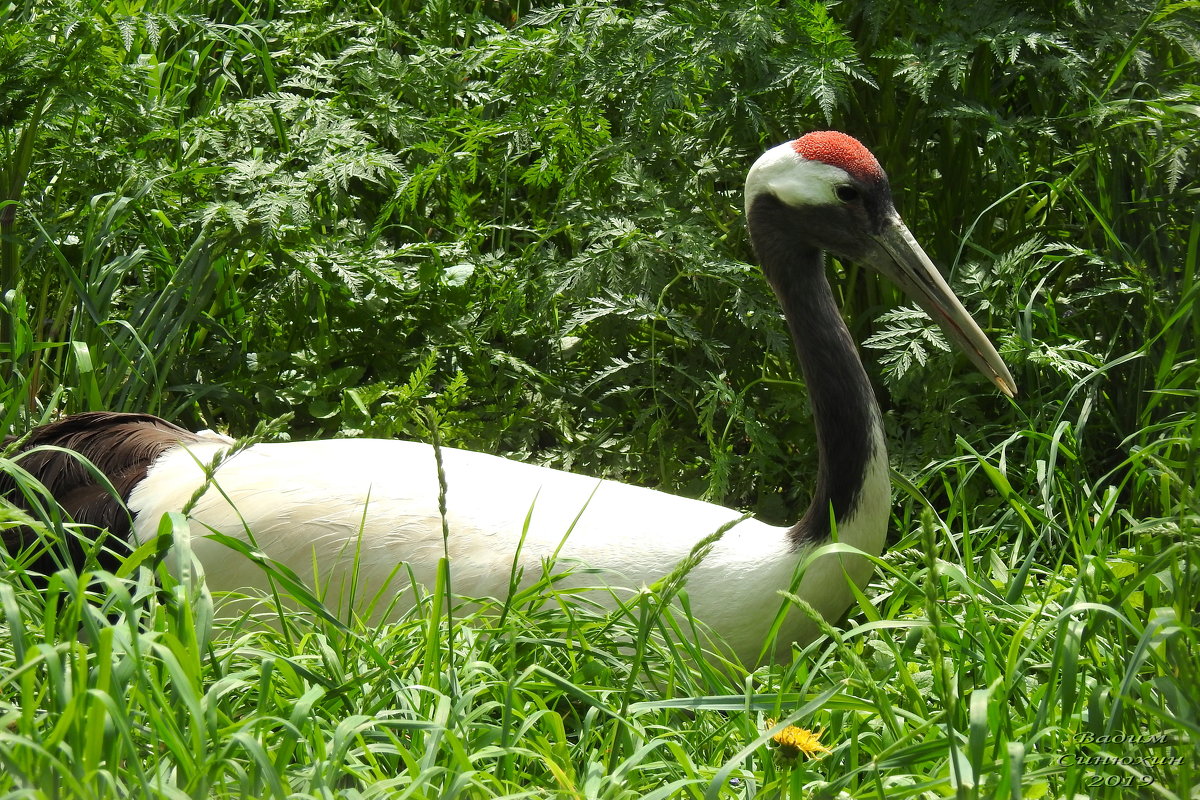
(525, 218)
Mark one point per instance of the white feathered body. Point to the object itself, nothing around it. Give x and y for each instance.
(374, 503)
(365, 513)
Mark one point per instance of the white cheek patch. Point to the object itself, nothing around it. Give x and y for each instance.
(795, 180)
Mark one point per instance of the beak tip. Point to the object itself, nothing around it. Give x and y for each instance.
(902, 259)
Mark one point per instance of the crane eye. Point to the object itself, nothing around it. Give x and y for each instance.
(845, 193)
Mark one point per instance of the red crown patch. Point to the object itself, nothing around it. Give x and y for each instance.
(839, 150)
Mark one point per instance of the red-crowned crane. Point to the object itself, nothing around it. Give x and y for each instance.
(375, 502)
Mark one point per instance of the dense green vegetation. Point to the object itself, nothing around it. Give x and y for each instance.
(521, 223)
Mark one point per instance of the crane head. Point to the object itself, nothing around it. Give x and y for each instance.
(829, 193)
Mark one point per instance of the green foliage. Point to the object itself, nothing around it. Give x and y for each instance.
(527, 219)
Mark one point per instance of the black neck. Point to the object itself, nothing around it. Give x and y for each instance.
(844, 408)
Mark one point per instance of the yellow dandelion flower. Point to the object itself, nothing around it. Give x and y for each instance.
(792, 741)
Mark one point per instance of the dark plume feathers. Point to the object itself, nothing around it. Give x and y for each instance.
(121, 446)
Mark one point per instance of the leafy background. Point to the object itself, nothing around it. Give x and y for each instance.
(526, 217)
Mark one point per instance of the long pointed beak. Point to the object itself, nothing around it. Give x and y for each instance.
(911, 270)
